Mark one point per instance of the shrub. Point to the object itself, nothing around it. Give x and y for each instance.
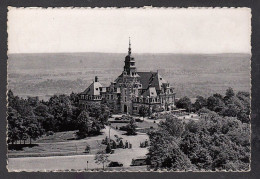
(108, 148)
(121, 144)
(123, 128)
(87, 149)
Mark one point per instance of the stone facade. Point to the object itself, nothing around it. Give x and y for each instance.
(131, 90)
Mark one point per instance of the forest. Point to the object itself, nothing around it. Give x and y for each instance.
(31, 118)
(220, 140)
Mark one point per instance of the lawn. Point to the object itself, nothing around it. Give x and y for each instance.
(68, 154)
(59, 146)
(144, 124)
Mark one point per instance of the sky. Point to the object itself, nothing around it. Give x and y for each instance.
(152, 30)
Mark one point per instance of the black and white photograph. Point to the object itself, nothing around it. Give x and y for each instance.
(128, 89)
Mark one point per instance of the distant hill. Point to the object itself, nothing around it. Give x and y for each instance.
(190, 74)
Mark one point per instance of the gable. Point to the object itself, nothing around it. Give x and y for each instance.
(93, 89)
(149, 79)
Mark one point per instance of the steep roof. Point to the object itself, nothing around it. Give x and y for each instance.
(151, 92)
(147, 78)
(151, 79)
(93, 89)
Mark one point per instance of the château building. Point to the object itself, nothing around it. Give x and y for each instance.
(131, 90)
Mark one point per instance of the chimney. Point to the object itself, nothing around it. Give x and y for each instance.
(96, 79)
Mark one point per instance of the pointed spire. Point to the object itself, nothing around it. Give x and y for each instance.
(129, 48)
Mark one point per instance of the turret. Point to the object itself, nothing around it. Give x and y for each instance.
(129, 67)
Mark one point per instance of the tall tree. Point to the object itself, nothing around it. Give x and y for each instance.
(84, 124)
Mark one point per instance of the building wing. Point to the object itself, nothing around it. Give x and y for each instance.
(93, 89)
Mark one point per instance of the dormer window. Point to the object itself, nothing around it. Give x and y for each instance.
(96, 89)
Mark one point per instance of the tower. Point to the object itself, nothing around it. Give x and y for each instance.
(129, 67)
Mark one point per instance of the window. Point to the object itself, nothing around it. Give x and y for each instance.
(125, 99)
(96, 89)
(135, 108)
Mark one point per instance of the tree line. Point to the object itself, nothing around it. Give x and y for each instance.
(31, 118)
(231, 105)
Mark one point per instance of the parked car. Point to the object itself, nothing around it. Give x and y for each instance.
(139, 161)
(117, 119)
(115, 164)
(138, 120)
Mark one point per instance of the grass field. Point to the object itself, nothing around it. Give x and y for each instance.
(59, 152)
(59, 144)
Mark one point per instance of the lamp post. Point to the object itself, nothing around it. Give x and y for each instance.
(109, 130)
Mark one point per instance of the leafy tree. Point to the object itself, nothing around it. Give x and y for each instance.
(184, 103)
(200, 103)
(84, 124)
(215, 104)
(13, 119)
(99, 112)
(219, 96)
(101, 158)
(74, 98)
(61, 109)
(33, 101)
(46, 119)
(143, 111)
(229, 93)
(243, 117)
(87, 126)
(34, 129)
(164, 153)
(173, 126)
(131, 127)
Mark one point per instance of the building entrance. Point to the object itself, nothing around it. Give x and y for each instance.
(125, 108)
